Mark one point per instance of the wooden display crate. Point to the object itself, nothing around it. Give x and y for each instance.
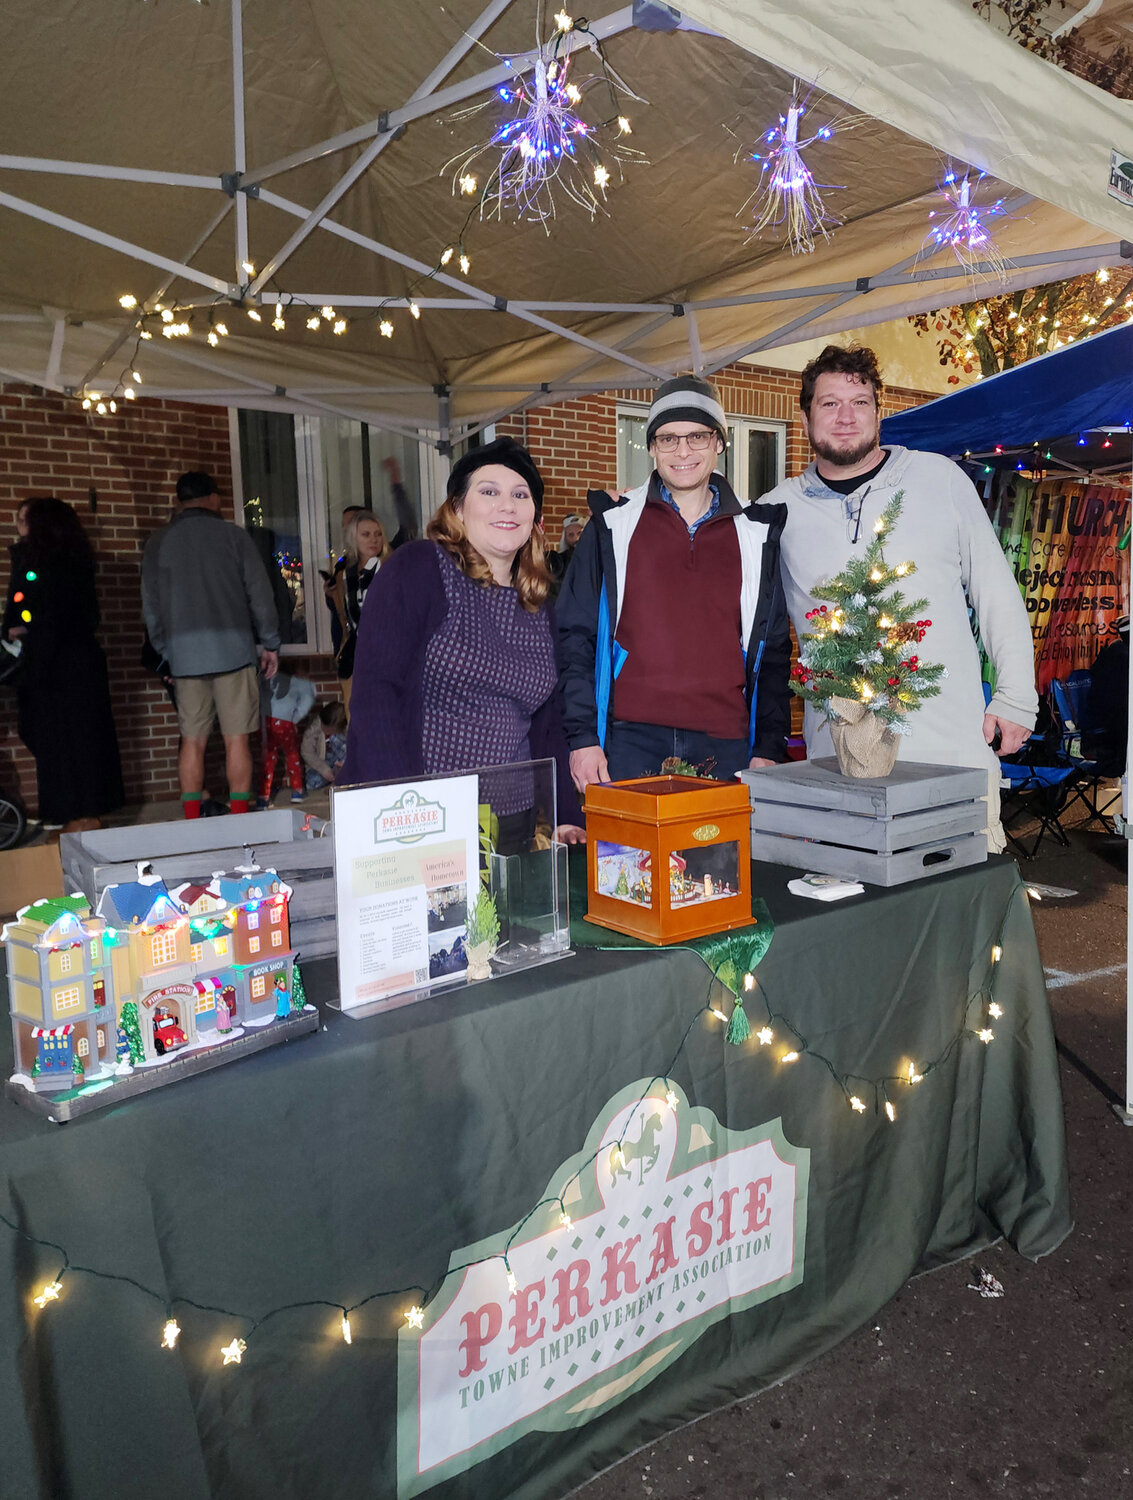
(920, 820)
(696, 831)
(194, 848)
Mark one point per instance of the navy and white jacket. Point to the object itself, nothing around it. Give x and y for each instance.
(591, 600)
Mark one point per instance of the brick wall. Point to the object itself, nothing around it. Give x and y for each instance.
(48, 445)
(575, 443)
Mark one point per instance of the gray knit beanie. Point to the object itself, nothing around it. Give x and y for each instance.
(686, 399)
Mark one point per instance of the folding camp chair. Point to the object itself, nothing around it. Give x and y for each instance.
(1038, 792)
(1069, 698)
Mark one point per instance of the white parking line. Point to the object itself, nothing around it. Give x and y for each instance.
(1059, 979)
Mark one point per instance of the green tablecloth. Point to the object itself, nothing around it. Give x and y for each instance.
(361, 1158)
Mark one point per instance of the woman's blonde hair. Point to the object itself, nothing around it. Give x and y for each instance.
(350, 536)
(529, 573)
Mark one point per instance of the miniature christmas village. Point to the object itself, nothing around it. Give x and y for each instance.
(153, 984)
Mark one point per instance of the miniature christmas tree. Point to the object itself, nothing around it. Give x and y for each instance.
(128, 1021)
(298, 989)
(860, 649)
(622, 886)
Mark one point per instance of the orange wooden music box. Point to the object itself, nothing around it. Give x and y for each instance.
(668, 857)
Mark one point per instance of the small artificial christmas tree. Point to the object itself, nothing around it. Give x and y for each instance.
(128, 1021)
(857, 662)
(298, 989)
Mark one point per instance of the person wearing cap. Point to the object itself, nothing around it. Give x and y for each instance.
(455, 664)
(210, 613)
(558, 562)
(673, 628)
(833, 507)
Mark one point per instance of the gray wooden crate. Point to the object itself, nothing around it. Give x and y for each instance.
(918, 821)
(194, 849)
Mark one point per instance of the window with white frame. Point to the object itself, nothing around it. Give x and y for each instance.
(292, 476)
(753, 462)
(163, 947)
(277, 939)
(70, 998)
(259, 985)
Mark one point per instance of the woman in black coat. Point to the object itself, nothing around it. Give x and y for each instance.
(65, 718)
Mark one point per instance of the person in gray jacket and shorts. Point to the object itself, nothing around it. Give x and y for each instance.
(209, 611)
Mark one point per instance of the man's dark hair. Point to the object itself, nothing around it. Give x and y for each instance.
(195, 485)
(834, 360)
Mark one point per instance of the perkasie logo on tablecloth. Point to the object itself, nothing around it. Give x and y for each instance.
(687, 1223)
(410, 819)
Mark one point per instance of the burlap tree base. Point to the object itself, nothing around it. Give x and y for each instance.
(862, 743)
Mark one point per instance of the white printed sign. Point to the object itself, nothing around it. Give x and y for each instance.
(406, 861)
(682, 1224)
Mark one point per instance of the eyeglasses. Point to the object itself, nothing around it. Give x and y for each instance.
(667, 442)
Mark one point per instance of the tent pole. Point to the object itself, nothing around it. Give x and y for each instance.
(158, 292)
(50, 167)
(694, 342)
(112, 242)
(501, 304)
(239, 146)
(386, 124)
(55, 357)
(1126, 1115)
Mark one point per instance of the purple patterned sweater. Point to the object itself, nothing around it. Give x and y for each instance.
(450, 674)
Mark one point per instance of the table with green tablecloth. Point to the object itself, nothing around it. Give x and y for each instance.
(351, 1169)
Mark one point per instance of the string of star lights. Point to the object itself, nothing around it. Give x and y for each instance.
(545, 146)
(786, 201)
(962, 226)
(726, 959)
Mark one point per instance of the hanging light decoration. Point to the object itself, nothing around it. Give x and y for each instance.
(787, 202)
(545, 147)
(962, 225)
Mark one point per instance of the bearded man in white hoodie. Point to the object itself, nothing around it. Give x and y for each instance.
(831, 510)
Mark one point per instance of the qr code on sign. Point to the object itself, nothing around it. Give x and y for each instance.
(420, 976)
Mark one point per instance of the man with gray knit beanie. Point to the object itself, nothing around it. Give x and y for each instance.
(672, 624)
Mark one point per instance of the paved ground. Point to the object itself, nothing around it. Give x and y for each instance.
(948, 1394)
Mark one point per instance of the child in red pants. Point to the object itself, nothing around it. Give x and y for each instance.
(284, 701)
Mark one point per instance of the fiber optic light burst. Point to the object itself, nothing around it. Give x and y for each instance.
(546, 146)
(787, 201)
(962, 225)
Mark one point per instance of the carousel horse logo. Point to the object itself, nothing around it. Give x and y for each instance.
(409, 820)
(644, 1151)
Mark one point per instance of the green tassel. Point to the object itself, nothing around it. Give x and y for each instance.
(738, 1028)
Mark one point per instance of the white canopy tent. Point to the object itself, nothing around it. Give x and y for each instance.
(157, 148)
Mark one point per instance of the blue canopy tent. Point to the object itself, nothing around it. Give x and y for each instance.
(1067, 405)
(1082, 391)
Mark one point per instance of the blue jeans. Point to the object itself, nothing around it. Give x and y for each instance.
(639, 749)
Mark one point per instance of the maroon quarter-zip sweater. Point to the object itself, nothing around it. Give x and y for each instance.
(680, 626)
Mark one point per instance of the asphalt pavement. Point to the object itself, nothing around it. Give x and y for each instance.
(946, 1393)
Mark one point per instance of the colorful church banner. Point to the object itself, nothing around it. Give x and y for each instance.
(663, 1224)
(1067, 542)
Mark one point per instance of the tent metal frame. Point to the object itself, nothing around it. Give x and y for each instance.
(248, 289)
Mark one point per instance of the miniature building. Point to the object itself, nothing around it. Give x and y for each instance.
(151, 972)
(64, 1025)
